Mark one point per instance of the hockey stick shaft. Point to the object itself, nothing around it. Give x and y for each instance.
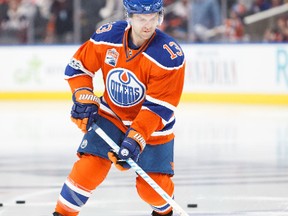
(141, 172)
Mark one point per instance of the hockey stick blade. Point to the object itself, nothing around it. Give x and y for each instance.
(140, 172)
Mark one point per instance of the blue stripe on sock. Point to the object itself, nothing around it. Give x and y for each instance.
(72, 196)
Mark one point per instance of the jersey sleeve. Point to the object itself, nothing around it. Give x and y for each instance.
(82, 67)
(88, 58)
(163, 94)
(162, 97)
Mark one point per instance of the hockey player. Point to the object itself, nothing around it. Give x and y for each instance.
(143, 73)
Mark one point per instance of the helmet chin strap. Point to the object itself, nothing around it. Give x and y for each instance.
(160, 20)
(161, 17)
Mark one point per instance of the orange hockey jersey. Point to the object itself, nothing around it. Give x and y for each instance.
(142, 87)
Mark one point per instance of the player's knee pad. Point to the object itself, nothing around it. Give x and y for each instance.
(149, 195)
(90, 171)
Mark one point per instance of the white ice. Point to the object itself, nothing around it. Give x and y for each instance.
(229, 160)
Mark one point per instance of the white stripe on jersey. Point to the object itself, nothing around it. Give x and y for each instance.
(162, 103)
(163, 133)
(106, 43)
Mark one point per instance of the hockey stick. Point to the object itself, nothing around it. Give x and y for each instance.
(141, 172)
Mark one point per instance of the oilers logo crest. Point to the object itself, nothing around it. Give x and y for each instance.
(111, 57)
(124, 89)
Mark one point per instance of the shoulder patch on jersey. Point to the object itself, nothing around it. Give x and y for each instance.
(124, 88)
(171, 54)
(111, 32)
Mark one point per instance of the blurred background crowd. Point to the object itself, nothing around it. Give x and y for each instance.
(199, 21)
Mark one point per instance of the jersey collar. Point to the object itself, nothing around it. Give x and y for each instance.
(130, 53)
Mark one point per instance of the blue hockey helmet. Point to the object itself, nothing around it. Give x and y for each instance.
(143, 6)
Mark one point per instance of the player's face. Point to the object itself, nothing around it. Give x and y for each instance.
(143, 27)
